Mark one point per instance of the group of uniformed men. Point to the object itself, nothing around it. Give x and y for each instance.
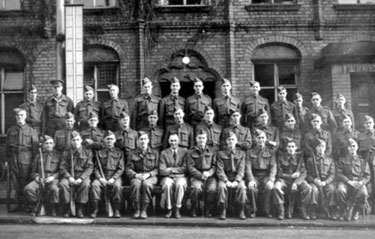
(257, 158)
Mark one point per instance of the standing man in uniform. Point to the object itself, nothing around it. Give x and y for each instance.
(244, 141)
(328, 120)
(113, 108)
(62, 137)
(143, 105)
(173, 167)
(55, 109)
(142, 170)
(314, 134)
(169, 103)
(340, 111)
(112, 165)
(155, 132)
(252, 105)
(51, 162)
(271, 131)
(290, 130)
(85, 107)
(93, 136)
(281, 107)
(126, 136)
(201, 162)
(197, 103)
(213, 130)
(304, 122)
(340, 140)
(225, 105)
(34, 109)
(184, 131)
(230, 173)
(79, 161)
(260, 174)
(20, 148)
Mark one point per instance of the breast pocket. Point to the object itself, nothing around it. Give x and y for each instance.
(130, 141)
(63, 105)
(170, 108)
(184, 137)
(13, 137)
(54, 166)
(108, 109)
(222, 108)
(60, 141)
(82, 112)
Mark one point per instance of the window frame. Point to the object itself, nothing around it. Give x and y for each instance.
(3, 5)
(114, 5)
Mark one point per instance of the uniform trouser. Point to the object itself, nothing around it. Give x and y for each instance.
(197, 187)
(173, 191)
(114, 190)
(283, 188)
(239, 192)
(260, 188)
(53, 124)
(19, 174)
(329, 195)
(81, 192)
(141, 191)
(347, 195)
(52, 191)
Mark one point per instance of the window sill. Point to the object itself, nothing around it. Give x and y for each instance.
(12, 13)
(354, 7)
(272, 7)
(182, 8)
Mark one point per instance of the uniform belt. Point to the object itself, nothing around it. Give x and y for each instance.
(23, 150)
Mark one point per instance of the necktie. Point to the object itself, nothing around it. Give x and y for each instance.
(174, 155)
(232, 161)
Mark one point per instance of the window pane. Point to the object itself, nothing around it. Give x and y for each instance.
(101, 3)
(264, 74)
(291, 92)
(107, 74)
(194, 2)
(11, 101)
(269, 94)
(176, 2)
(86, 3)
(88, 78)
(261, 1)
(12, 4)
(348, 1)
(13, 81)
(367, 1)
(284, 1)
(287, 74)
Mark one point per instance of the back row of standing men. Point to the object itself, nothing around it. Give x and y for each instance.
(203, 115)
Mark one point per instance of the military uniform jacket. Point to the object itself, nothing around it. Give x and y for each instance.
(224, 106)
(213, 132)
(155, 135)
(62, 139)
(82, 161)
(339, 115)
(328, 120)
(230, 165)
(143, 105)
(261, 162)
(21, 139)
(303, 120)
(168, 166)
(290, 133)
(51, 164)
(185, 134)
(95, 134)
(83, 110)
(311, 139)
(271, 131)
(251, 107)
(349, 168)
(243, 136)
(34, 112)
(126, 139)
(340, 141)
(366, 140)
(57, 107)
(200, 160)
(325, 166)
(112, 162)
(278, 111)
(289, 164)
(195, 106)
(113, 108)
(139, 163)
(167, 107)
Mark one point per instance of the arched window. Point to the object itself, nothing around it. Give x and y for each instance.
(101, 69)
(12, 87)
(276, 65)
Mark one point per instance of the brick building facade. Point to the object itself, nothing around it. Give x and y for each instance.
(306, 45)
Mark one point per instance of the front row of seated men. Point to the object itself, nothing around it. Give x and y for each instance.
(223, 179)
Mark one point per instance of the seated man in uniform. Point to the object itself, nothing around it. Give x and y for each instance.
(230, 173)
(340, 139)
(109, 166)
(76, 168)
(173, 167)
(142, 170)
(244, 140)
(272, 132)
(201, 162)
(281, 107)
(155, 132)
(196, 104)
(320, 175)
(291, 174)
(260, 174)
(314, 134)
(51, 164)
(290, 130)
(353, 174)
(93, 136)
(85, 107)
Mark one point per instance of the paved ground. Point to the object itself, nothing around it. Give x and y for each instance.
(157, 232)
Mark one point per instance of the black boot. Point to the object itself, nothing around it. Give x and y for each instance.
(144, 211)
(304, 212)
(242, 215)
(223, 211)
(193, 212)
(313, 212)
(95, 207)
(54, 210)
(333, 212)
(66, 209)
(116, 209)
(79, 210)
(137, 211)
(281, 211)
(349, 213)
(177, 213)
